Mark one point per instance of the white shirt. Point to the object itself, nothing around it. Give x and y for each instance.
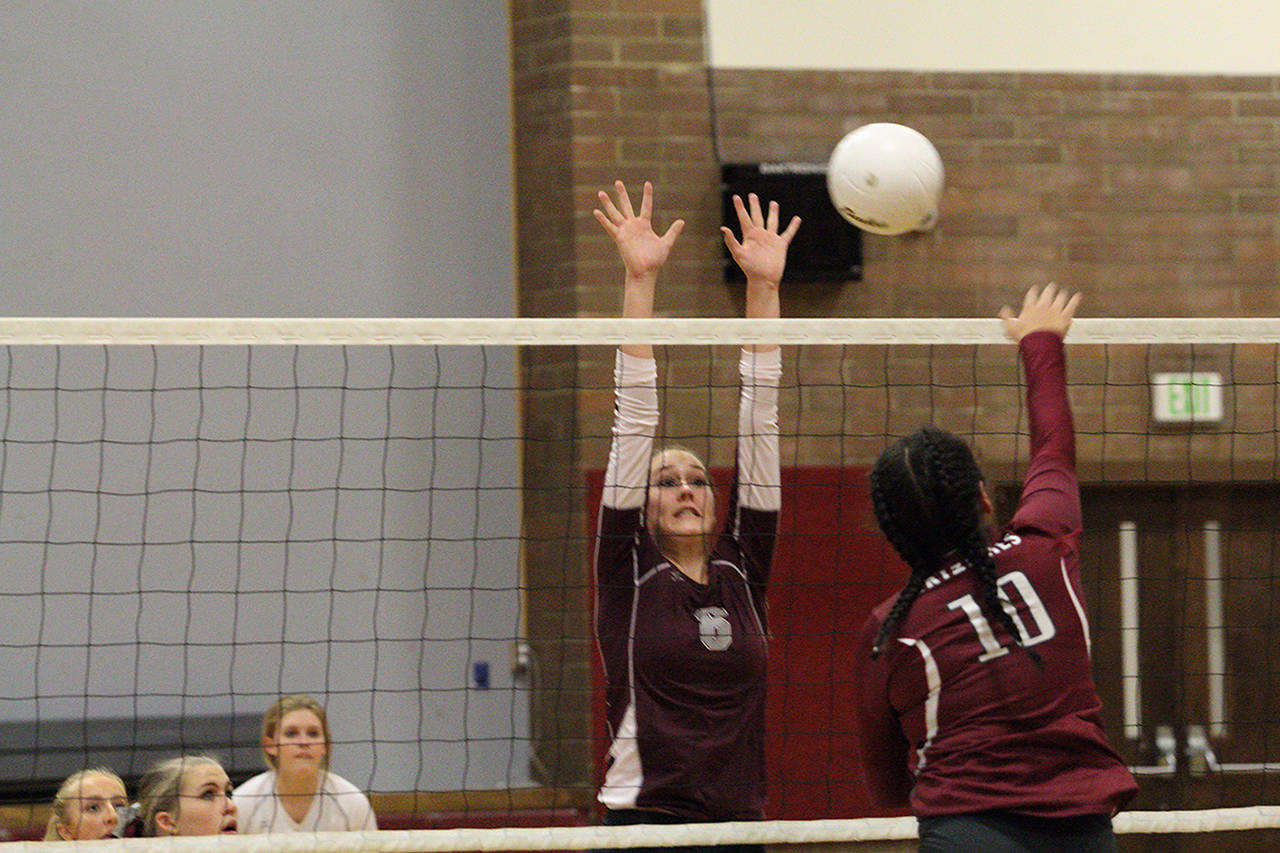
(339, 806)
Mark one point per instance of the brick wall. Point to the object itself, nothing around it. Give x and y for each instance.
(1145, 192)
(1154, 195)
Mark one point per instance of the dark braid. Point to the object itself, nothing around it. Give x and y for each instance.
(898, 612)
(897, 497)
(925, 492)
(958, 477)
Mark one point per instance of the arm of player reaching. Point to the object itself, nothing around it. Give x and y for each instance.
(1050, 495)
(762, 255)
(643, 254)
(882, 747)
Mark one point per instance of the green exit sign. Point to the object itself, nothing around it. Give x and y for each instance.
(1186, 397)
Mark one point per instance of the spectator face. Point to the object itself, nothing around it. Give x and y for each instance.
(91, 809)
(299, 743)
(204, 804)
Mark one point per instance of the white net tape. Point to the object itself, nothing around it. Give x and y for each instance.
(595, 837)
(163, 331)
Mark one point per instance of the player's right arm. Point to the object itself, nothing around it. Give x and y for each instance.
(635, 421)
(1050, 495)
(643, 253)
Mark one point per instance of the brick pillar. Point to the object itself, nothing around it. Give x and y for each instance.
(603, 90)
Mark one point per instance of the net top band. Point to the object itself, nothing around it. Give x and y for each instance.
(580, 331)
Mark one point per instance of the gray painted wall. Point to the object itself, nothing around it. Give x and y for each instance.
(273, 158)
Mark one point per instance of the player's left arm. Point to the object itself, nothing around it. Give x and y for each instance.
(883, 749)
(761, 253)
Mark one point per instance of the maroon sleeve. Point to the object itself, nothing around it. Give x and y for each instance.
(616, 542)
(755, 531)
(1050, 499)
(882, 748)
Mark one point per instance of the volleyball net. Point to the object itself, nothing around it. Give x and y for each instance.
(395, 516)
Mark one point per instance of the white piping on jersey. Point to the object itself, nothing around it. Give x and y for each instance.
(625, 776)
(1084, 617)
(933, 680)
(751, 599)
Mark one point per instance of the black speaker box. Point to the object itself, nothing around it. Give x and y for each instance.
(825, 249)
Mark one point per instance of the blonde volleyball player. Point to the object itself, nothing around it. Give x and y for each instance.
(298, 793)
(680, 609)
(978, 706)
(88, 805)
(187, 795)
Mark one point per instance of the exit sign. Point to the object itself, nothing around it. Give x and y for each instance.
(1186, 397)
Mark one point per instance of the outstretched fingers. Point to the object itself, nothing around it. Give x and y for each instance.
(612, 209)
(752, 215)
(1064, 304)
(1051, 309)
(744, 218)
(605, 221)
(1053, 301)
(611, 213)
(643, 251)
(1072, 304)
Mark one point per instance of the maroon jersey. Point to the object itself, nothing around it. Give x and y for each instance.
(955, 719)
(685, 662)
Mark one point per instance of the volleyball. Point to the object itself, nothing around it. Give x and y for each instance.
(886, 178)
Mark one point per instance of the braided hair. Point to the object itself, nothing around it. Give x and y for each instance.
(925, 489)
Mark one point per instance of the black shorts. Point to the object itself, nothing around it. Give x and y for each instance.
(1005, 832)
(631, 817)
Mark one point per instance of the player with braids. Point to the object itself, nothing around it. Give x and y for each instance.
(932, 475)
(978, 707)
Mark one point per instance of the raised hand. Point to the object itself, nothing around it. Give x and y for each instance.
(643, 251)
(1042, 310)
(762, 251)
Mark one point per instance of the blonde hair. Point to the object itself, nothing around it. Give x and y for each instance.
(58, 809)
(160, 786)
(659, 452)
(287, 705)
